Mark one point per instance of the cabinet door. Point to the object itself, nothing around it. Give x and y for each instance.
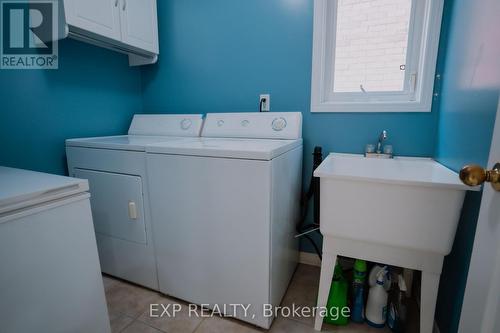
(139, 24)
(117, 204)
(101, 17)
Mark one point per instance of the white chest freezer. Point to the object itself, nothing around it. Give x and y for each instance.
(50, 279)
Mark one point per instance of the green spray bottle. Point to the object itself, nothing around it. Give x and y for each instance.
(337, 299)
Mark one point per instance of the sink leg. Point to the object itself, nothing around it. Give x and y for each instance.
(327, 267)
(430, 285)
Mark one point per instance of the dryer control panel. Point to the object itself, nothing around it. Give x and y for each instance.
(166, 124)
(268, 125)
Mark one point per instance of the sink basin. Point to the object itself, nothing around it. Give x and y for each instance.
(405, 202)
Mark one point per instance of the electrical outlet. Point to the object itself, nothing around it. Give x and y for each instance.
(265, 102)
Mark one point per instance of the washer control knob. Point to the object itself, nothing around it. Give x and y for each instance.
(220, 123)
(279, 124)
(186, 124)
(245, 123)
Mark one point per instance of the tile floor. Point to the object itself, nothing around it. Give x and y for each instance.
(129, 311)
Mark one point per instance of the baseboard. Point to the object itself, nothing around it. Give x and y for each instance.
(308, 258)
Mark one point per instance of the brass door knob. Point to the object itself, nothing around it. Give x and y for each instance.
(474, 175)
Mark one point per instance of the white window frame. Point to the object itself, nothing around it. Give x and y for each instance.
(423, 44)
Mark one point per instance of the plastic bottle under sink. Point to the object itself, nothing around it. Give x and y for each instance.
(397, 311)
(358, 291)
(376, 307)
(337, 299)
(372, 278)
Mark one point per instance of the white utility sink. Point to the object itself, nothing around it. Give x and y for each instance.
(406, 202)
(402, 212)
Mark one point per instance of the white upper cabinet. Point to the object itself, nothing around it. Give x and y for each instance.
(126, 26)
(101, 17)
(139, 24)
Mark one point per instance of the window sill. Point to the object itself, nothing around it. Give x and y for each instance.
(337, 107)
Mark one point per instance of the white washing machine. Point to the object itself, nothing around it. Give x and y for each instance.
(116, 170)
(224, 213)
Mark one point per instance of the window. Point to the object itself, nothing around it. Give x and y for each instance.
(374, 55)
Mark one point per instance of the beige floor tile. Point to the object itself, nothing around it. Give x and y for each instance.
(354, 328)
(138, 327)
(307, 274)
(180, 323)
(129, 299)
(119, 321)
(226, 325)
(283, 325)
(303, 291)
(108, 281)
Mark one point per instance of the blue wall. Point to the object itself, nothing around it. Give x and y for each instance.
(467, 109)
(93, 92)
(219, 55)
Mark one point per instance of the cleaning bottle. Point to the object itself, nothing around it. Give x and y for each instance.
(337, 299)
(372, 277)
(358, 291)
(396, 315)
(376, 308)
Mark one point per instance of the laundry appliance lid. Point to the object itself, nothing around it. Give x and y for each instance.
(253, 149)
(146, 129)
(23, 188)
(121, 142)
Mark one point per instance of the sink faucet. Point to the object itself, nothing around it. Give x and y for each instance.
(379, 150)
(381, 138)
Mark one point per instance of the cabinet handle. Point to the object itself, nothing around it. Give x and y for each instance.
(116, 3)
(124, 4)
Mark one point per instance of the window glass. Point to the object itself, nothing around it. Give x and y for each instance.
(371, 45)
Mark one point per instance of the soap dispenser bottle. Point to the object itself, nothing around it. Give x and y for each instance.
(376, 308)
